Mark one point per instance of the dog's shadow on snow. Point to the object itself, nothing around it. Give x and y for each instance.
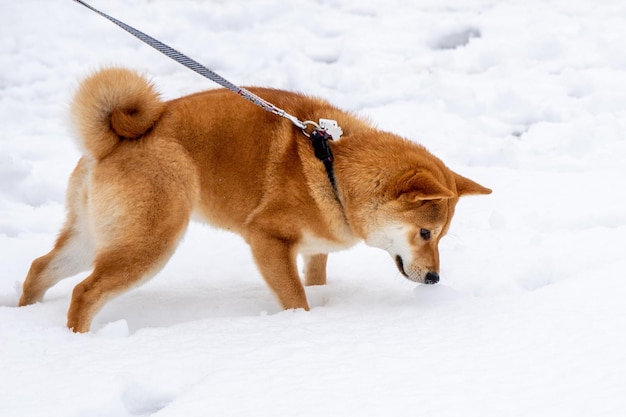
(159, 306)
(8, 301)
(165, 307)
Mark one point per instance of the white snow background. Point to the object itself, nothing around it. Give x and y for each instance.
(526, 97)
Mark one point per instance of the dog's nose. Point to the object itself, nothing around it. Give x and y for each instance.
(431, 278)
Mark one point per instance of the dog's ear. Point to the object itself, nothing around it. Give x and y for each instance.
(419, 186)
(465, 186)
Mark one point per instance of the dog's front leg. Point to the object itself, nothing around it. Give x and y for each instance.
(276, 259)
(315, 269)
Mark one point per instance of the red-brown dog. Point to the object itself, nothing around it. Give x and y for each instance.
(149, 165)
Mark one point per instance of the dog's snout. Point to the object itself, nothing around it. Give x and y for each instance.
(431, 278)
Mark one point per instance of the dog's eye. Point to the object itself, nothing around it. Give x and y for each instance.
(425, 234)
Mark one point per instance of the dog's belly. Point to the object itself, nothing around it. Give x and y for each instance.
(311, 245)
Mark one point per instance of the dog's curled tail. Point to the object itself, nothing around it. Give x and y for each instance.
(111, 105)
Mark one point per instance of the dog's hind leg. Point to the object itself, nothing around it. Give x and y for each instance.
(126, 260)
(139, 214)
(73, 250)
(116, 270)
(315, 269)
(71, 254)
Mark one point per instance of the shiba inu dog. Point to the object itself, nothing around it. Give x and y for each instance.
(149, 165)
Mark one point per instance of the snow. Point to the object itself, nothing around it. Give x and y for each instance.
(528, 98)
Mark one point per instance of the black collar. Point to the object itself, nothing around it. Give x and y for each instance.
(319, 140)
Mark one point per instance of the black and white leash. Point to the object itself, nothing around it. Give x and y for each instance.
(323, 132)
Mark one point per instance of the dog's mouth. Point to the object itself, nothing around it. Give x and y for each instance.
(430, 278)
(400, 265)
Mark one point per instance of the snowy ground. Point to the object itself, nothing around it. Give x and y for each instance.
(526, 97)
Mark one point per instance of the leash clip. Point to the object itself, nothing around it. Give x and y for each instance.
(323, 132)
(329, 126)
(332, 128)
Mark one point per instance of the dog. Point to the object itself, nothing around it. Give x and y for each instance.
(148, 166)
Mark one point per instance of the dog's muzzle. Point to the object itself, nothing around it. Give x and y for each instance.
(430, 278)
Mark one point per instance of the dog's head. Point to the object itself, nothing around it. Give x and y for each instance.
(399, 197)
(416, 216)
